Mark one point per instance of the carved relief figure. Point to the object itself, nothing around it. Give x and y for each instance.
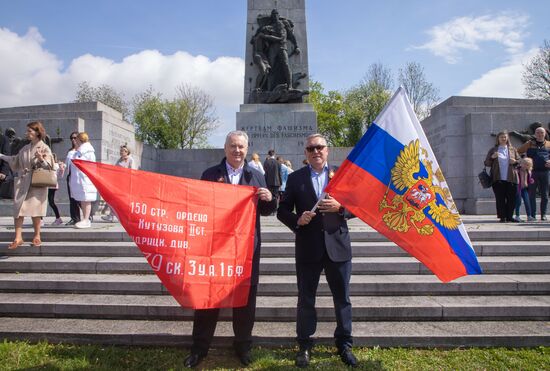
(275, 82)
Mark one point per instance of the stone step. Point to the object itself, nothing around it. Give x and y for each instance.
(384, 285)
(439, 334)
(361, 265)
(365, 308)
(113, 232)
(271, 249)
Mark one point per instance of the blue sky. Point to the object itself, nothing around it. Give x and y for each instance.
(466, 47)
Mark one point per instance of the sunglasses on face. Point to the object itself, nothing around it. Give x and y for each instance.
(73, 138)
(319, 148)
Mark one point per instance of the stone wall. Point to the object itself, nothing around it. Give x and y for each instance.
(461, 130)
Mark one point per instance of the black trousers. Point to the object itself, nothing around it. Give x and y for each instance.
(541, 182)
(205, 321)
(74, 206)
(51, 202)
(338, 276)
(505, 196)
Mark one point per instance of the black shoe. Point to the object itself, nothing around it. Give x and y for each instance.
(71, 222)
(244, 357)
(192, 360)
(347, 357)
(303, 358)
(512, 220)
(502, 220)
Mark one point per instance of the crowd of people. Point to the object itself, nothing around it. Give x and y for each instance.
(30, 200)
(520, 175)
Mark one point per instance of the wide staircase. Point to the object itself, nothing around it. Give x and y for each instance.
(94, 286)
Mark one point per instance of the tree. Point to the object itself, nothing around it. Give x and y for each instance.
(151, 123)
(183, 122)
(104, 94)
(536, 76)
(423, 94)
(329, 109)
(194, 116)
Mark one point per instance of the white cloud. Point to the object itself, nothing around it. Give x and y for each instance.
(467, 33)
(502, 82)
(31, 75)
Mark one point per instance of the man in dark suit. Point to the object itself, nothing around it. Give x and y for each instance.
(322, 243)
(272, 173)
(235, 170)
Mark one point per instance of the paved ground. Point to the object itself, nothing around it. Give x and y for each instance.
(271, 224)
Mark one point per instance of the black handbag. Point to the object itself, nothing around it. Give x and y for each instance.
(485, 179)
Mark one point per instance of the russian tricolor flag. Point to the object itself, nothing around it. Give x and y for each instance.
(392, 181)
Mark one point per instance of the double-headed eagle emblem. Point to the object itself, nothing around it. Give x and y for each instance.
(421, 195)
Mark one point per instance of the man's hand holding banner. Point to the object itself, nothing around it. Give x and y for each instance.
(197, 236)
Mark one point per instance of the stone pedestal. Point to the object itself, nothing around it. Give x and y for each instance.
(282, 127)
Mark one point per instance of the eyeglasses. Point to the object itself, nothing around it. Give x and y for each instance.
(318, 147)
(73, 138)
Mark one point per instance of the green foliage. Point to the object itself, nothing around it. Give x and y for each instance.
(104, 94)
(151, 122)
(44, 356)
(344, 117)
(182, 122)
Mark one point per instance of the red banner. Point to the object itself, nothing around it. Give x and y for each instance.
(198, 236)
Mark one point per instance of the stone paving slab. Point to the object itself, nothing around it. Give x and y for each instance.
(278, 285)
(361, 265)
(479, 227)
(450, 334)
(365, 308)
(270, 249)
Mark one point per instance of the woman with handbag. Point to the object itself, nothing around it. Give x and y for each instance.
(502, 160)
(29, 200)
(82, 188)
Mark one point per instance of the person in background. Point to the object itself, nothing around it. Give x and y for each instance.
(289, 166)
(538, 150)
(82, 188)
(502, 159)
(125, 161)
(256, 163)
(272, 173)
(74, 206)
(284, 173)
(524, 180)
(60, 169)
(28, 200)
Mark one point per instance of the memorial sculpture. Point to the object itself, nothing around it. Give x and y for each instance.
(529, 134)
(275, 82)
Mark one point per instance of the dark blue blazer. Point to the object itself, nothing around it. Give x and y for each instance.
(251, 177)
(326, 232)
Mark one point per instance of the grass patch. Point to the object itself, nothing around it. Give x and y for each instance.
(44, 356)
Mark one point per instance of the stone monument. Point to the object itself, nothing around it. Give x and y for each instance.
(461, 130)
(276, 80)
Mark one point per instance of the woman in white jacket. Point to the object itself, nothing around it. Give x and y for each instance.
(82, 188)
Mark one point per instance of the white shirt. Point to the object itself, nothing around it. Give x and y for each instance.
(319, 180)
(234, 174)
(503, 161)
